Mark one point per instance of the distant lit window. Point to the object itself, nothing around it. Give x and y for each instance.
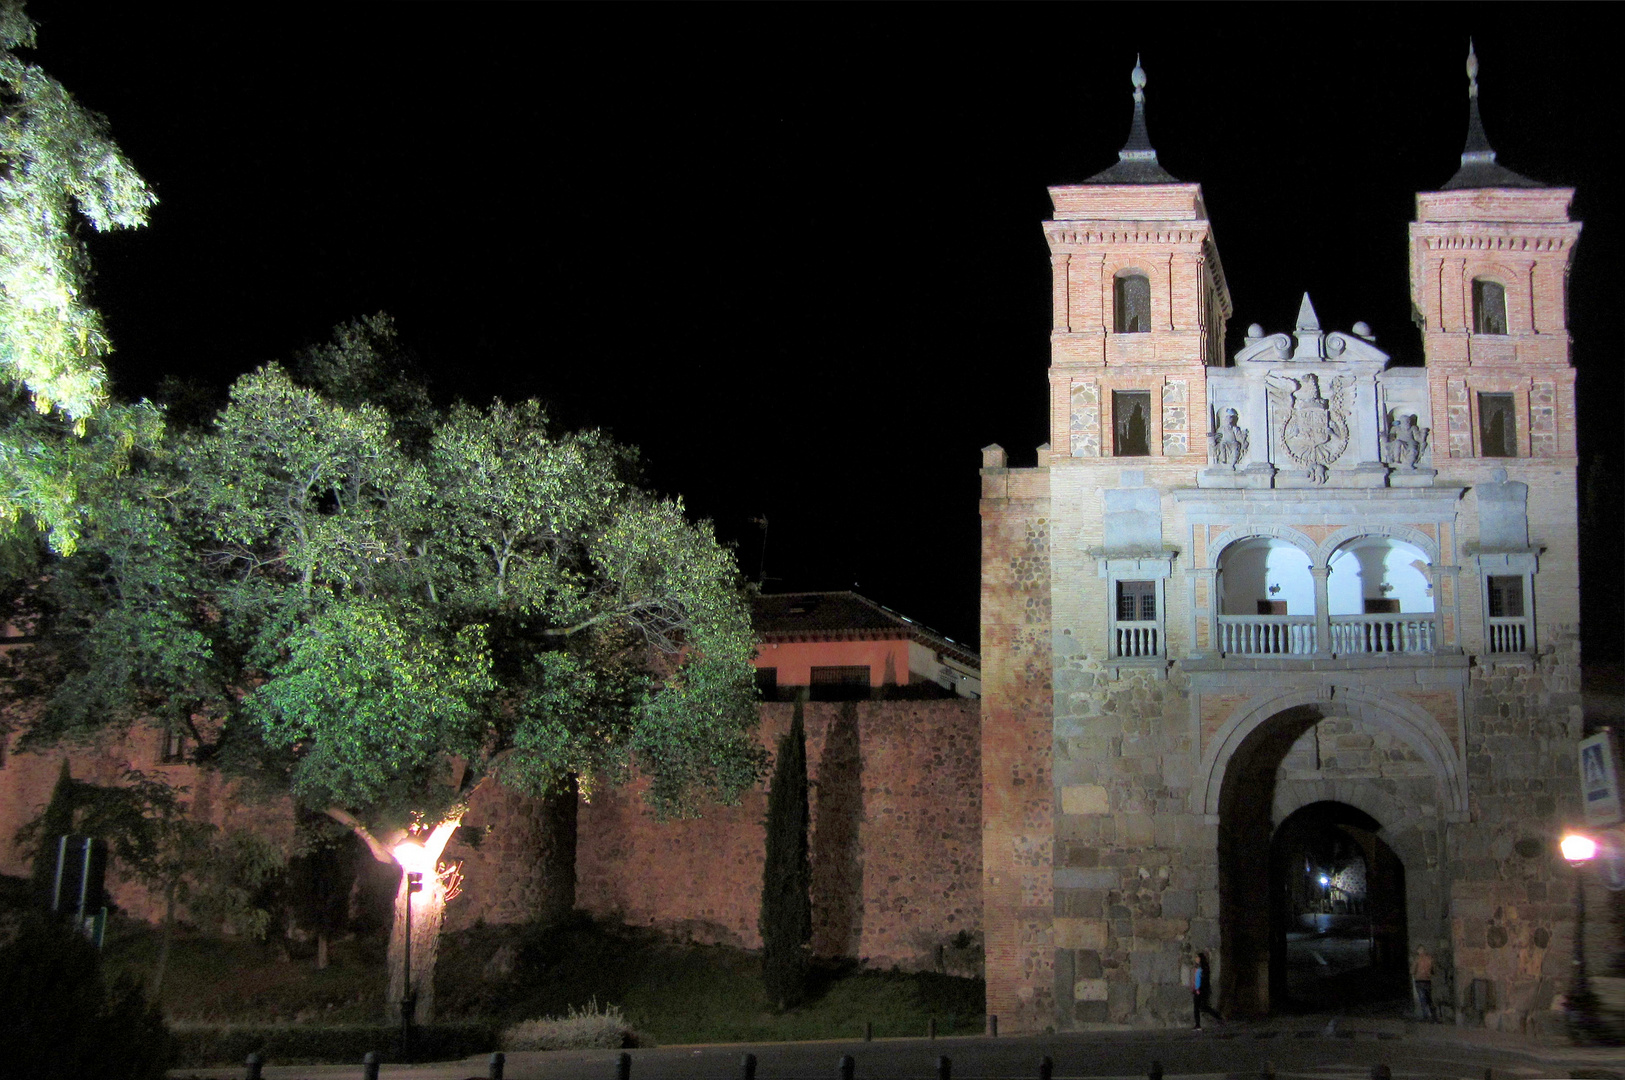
(1489, 307)
(1497, 426)
(1131, 423)
(848, 682)
(1132, 306)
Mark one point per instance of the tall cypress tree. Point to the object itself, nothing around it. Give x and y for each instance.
(786, 920)
(57, 820)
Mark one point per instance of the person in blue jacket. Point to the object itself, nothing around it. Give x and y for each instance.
(1201, 990)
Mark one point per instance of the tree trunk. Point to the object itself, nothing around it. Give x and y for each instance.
(428, 915)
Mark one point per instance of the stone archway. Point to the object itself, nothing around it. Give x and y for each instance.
(1392, 782)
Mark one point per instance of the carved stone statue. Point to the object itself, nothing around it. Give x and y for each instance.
(1314, 427)
(1406, 442)
(1229, 440)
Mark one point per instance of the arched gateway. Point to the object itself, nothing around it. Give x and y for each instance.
(1292, 612)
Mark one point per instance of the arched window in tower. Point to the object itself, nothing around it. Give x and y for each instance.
(1132, 307)
(1489, 307)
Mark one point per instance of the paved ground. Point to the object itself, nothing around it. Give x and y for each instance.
(1297, 1048)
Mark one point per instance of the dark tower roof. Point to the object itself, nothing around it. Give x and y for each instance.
(1478, 167)
(1137, 161)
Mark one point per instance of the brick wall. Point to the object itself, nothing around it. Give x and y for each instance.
(896, 842)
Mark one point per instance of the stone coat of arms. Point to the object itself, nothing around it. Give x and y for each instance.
(1314, 423)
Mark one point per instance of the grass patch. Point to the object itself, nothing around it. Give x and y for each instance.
(496, 977)
(686, 993)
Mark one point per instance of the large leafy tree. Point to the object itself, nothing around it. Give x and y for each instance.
(378, 610)
(59, 171)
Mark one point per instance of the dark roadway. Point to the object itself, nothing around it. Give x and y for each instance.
(1298, 1047)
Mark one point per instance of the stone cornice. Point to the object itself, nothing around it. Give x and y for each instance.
(1125, 232)
(1541, 241)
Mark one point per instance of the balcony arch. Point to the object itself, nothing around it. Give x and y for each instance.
(1266, 594)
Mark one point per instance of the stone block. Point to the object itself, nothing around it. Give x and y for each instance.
(1089, 990)
(1080, 933)
(1084, 799)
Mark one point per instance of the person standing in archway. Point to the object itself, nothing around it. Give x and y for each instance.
(1422, 981)
(1200, 991)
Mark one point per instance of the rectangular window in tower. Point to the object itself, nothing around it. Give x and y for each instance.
(1131, 423)
(767, 683)
(1132, 304)
(1508, 628)
(1489, 307)
(1272, 607)
(1497, 426)
(848, 682)
(1381, 605)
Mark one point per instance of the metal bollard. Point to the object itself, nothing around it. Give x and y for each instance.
(1155, 1072)
(498, 1060)
(623, 1066)
(1381, 1071)
(252, 1067)
(747, 1067)
(848, 1067)
(369, 1065)
(993, 1025)
(931, 1029)
(1046, 1068)
(945, 1068)
(869, 1031)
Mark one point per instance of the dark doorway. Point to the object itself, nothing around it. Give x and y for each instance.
(1337, 911)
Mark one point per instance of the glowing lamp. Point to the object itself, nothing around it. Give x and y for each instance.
(1578, 848)
(1324, 880)
(414, 858)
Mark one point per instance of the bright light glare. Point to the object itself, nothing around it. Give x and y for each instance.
(1324, 880)
(412, 856)
(1578, 848)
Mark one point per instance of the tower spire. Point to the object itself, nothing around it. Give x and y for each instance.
(1478, 165)
(1137, 161)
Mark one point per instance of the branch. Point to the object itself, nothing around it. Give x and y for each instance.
(344, 817)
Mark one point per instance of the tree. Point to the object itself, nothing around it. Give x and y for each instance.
(58, 167)
(377, 628)
(786, 921)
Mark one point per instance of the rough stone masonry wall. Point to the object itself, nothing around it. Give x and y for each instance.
(896, 842)
(1512, 897)
(1017, 718)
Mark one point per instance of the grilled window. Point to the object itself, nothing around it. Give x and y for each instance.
(1506, 597)
(849, 682)
(1489, 307)
(1497, 426)
(1136, 601)
(1131, 423)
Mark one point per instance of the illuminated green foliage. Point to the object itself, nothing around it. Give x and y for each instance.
(58, 168)
(376, 621)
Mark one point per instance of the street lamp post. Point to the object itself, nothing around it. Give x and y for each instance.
(409, 999)
(1579, 849)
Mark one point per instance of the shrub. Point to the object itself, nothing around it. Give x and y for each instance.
(59, 1017)
(587, 1028)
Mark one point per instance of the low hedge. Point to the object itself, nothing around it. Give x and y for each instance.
(201, 1045)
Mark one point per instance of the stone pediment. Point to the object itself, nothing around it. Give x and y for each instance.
(1311, 409)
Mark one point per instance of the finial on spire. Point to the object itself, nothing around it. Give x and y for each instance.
(1472, 70)
(1137, 161)
(1478, 166)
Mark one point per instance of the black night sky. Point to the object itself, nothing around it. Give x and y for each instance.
(793, 252)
